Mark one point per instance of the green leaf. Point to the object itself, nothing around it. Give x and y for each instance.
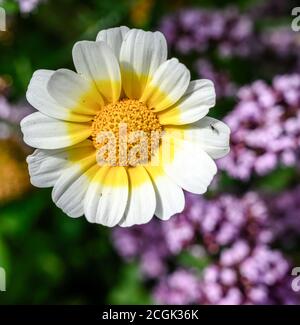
(130, 288)
(277, 180)
(17, 217)
(187, 259)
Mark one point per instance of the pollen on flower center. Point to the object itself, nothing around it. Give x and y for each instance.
(126, 133)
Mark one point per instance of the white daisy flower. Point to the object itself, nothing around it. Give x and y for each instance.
(122, 78)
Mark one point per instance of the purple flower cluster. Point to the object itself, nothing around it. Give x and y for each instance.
(236, 231)
(265, 128)
(214, 221)
(221, 225)
(197, 30)
(217, 223)
(248, 276)
(242, 275)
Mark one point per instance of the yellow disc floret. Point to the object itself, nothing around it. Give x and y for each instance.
(126, 133)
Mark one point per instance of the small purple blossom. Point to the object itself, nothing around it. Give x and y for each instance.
(179, 288)
(27, 6)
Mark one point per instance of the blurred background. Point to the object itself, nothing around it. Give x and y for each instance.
(237, 244)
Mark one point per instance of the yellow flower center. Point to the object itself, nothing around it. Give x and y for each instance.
(126, 133)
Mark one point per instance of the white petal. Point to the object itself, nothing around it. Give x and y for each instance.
(106, 197)
(168, 84)
(46, 166)
(43, 132)
(39, 97)
(96, 61)
(199, 97)
(113, 37)
(190, 167)
(72, 90)
(140, 56)
(169, 196)
(69, 190)
(141, 201)
(210, 134)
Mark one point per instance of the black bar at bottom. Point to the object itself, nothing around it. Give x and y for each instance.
(133, 314)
